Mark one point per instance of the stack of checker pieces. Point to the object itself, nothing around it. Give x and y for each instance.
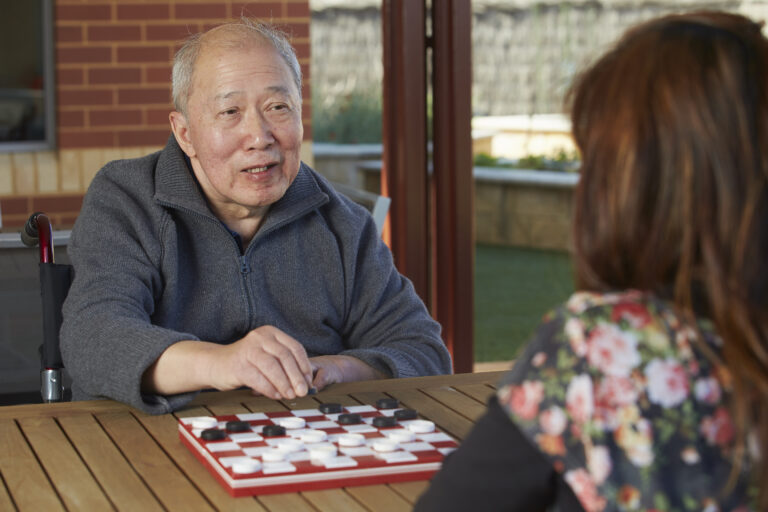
(308, 449)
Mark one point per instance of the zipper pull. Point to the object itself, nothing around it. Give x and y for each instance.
(244, 268)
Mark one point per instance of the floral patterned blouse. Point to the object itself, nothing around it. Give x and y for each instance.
(616, 394)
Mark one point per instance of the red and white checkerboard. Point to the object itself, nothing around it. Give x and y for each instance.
(316, 452)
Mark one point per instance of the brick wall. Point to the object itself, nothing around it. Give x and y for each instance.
(113, 68)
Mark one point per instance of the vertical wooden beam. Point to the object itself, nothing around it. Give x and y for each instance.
(453, 306)
(404, 175)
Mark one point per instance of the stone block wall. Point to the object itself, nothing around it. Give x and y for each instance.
(113, 68)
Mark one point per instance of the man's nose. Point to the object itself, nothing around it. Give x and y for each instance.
(259, 132)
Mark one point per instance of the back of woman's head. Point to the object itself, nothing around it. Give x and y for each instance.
(673, 197)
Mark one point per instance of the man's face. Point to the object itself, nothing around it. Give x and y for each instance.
(243, 128)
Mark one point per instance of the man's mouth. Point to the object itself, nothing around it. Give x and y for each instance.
(257, 170)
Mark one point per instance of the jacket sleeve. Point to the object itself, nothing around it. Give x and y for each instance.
(387, 325)
(107, 338)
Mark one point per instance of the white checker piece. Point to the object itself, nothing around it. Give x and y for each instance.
(339, 462)
(252, 416)
(322, 424)
(271, 468)
(357, 409)
(225, 446)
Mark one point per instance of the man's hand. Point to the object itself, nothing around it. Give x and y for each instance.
(336, 369)
(267, 360)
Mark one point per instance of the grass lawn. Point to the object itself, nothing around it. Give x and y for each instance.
(514, 287)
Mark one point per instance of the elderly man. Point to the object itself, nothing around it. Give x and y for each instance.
(222, 261)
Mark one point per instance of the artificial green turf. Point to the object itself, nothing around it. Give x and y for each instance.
(514, 287)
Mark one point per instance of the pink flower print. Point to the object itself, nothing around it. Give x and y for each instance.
(636, 440)
(707, 390)
(574, 329)
(612, 351)
(553, 421)
(613, 393)
(628, 497)
(636, 315)
(667, 382)
(539, 359)
(579, 398)
(599, 463)
(585, 490)
(524, 400)
(718, 428)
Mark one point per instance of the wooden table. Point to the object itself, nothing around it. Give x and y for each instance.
(103, 455)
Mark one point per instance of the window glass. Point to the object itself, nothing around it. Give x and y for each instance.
(26, 81)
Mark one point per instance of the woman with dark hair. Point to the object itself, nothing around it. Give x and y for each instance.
(648, 388)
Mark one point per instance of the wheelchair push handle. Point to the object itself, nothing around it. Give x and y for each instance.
(38, 230)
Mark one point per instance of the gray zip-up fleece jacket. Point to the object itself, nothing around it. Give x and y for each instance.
(154, 266)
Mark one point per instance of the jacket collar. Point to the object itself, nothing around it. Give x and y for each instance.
(176, 187)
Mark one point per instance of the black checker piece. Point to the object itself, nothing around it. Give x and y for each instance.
(330, 408)
(349, 419)
(406, 414)
(213, 434)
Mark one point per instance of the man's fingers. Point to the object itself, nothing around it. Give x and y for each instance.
(299, 354)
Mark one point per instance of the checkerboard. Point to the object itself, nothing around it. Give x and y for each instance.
(315, 450)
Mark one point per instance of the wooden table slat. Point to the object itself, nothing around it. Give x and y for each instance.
(5, 499)
(410, 490)
(27, 484)
(118, 479)
(333, 500)
(379, 498)
(164, 429)
(170, 486)
(457, 401)
(480, 392)
(286, 502)
(66, 470)
(326, 398)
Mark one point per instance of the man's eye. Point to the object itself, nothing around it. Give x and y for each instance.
(229, 112)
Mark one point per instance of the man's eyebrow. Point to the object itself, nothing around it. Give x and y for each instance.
(227, 95)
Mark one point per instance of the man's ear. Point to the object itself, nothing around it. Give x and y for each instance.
(180, 128)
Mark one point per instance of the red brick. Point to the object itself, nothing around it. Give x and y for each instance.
(158, 75)
(14, 221)
(143, 96)
(127, 138)
(68, 98)
(67, 220)
(200, 11)
(307, 131)
(158, 116)
(114, 75)
(83, 12)
(306, 110)
(85, 139)
(15, 205)
(70, 118)
(69, 34)
(297, 10)
(114, 33)
(295, 30)
(143, 12)
(69, 76)
(144, 54)
(171, 32)
(302, 50)
(265, 10)
(83, 54)
(58, 203)
(115, 117)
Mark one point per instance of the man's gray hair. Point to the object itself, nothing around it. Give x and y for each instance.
(241, 31)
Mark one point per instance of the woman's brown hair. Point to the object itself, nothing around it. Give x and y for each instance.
(673, 196)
